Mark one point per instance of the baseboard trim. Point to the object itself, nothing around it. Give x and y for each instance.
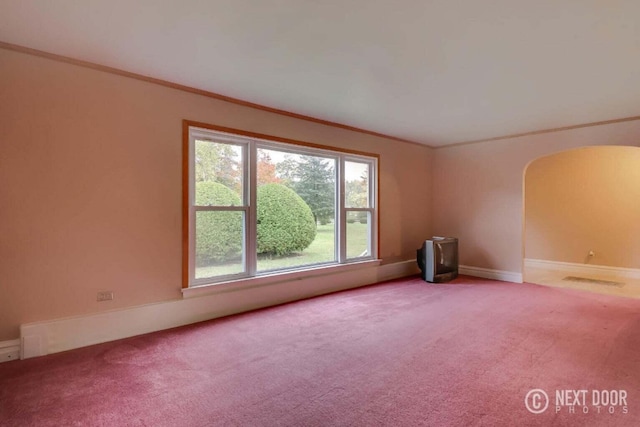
(488, 273)
(9, 350)
(397, 270)
(571, 268)
(46, 337)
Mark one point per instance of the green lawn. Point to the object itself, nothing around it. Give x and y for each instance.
(322, 249)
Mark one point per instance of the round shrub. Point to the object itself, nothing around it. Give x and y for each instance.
(285, 221)
(218, 234)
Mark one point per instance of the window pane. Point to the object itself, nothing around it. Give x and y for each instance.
(295, 209)
(358, 234)
(356, 185)
(219, 243)
(218, 174)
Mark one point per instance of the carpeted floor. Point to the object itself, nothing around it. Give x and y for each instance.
(400, 353)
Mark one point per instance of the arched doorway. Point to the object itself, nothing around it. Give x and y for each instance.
(582, 220)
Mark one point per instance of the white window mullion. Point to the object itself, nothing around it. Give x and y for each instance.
(342, 214)
(337, 209)
(251, 226)
(373, 204)
(192, 212)
(358, 209)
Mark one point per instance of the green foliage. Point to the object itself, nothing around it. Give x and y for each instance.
(218, 162)
(285, 221)
(313, 179)
(218, 234)
(357, 191)
(266, 168)
(287, 171)
(361, 217)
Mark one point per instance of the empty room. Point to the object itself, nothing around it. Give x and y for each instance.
(300, 213)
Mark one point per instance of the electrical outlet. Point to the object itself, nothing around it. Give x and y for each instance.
(105, 296)
(8, 354)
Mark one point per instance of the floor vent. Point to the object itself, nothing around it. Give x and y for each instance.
(593, 281)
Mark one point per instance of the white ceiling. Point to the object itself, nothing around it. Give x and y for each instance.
(432, 71)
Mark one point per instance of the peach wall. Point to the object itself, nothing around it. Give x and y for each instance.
(478, 189)
(90, 186)
(582, 200)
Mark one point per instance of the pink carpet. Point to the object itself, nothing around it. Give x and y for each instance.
(400, 353)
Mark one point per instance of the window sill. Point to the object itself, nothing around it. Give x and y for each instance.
(254, 282)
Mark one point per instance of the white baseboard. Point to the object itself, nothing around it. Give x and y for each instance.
(397, 269)
(41, 338)
(488, 273)
(589, 270)
(9, 350)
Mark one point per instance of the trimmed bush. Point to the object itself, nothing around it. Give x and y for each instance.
(218, 234)
(285, 221)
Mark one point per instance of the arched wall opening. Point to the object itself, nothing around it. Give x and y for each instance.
(582, 220)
